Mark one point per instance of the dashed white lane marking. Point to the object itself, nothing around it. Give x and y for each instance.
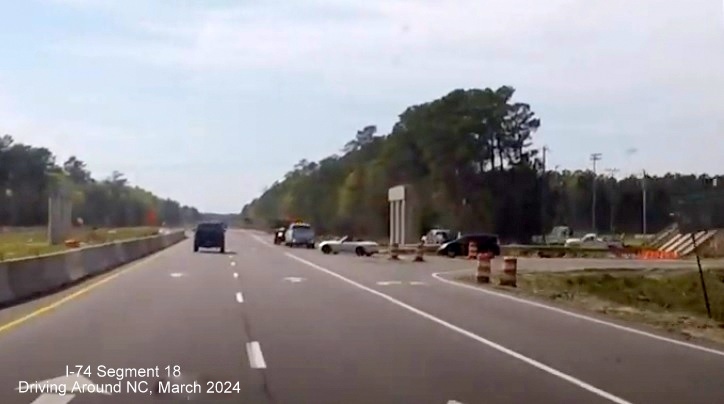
(236, 274)
(530, 361)
(453, 402)
(294, 279)
(176, 275)
(256, 358)
(239, 297)
(417, 283)
(233, 263)
(439, 277)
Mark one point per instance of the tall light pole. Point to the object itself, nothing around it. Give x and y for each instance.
(612, 172)
(643, 202)
(630, 152)
(543, 189)
(594, 158)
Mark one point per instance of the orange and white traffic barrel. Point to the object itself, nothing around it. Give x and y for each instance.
(420, 252)
(509, 277)
(472, 250)
(482, 274)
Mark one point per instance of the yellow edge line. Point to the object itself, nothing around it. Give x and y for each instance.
(14, 323)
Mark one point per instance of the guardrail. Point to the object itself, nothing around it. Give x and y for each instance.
(24, 278)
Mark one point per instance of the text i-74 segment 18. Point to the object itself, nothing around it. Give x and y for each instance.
(123, 373)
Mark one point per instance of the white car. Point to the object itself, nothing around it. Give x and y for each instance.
(344, 244)
(591, 240)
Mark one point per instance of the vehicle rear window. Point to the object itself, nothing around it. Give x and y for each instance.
(302, 230)
(210, 227)
(482, 239)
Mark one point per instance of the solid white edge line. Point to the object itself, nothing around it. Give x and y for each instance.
(491, 344)
(256, 358)
(239, 297)
(439, 277)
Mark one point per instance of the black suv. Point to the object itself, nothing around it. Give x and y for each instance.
(210, 235)
(485, 242)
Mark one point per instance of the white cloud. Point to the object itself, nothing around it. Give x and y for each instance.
(617, 73)
(582, 45)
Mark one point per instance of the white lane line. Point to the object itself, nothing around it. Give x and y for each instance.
(176, 275)
(256, 358)
(439, 277)
(385, 283)
(236, 274)
(532, 362)
(53, 399)
(259, 239)
(239, 297)
(233, 263)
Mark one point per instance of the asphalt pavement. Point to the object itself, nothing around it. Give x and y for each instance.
(270, 324)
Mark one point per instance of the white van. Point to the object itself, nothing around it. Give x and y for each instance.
(299, 234)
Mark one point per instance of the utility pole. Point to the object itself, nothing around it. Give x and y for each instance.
(543, 189)
(612, 172)
(594, 158)
(643, 208)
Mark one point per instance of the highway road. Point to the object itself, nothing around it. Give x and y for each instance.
(269, 324)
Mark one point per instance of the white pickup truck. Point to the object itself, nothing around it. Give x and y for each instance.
(591, 240)
(557, 236)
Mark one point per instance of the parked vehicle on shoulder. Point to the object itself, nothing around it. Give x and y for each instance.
(557, 236)
(210, 235)
(349, 245)
(591, 240)
(279, 235)
(299, 234)
(437, 236)
(459, 247)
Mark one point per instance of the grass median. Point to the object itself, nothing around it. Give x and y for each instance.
(668, 298)
(33, 242)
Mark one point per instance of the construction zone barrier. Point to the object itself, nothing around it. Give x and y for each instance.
(510, 272)
(25, 278)
(419, 253)
(482, 274)
(658, 255)
(394, 252)
(472, 250)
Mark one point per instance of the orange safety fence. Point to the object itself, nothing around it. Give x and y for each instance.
(658, 255)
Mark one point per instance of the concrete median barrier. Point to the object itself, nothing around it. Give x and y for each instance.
(74, 265)
(5, 293)
(25, 278)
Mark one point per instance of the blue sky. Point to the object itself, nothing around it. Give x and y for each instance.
(208, 102)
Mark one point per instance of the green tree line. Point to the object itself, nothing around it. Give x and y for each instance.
(470, 159)
(28, 176)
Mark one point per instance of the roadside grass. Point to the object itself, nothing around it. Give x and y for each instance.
(651, 290)
(667, 298)
(28, 243)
